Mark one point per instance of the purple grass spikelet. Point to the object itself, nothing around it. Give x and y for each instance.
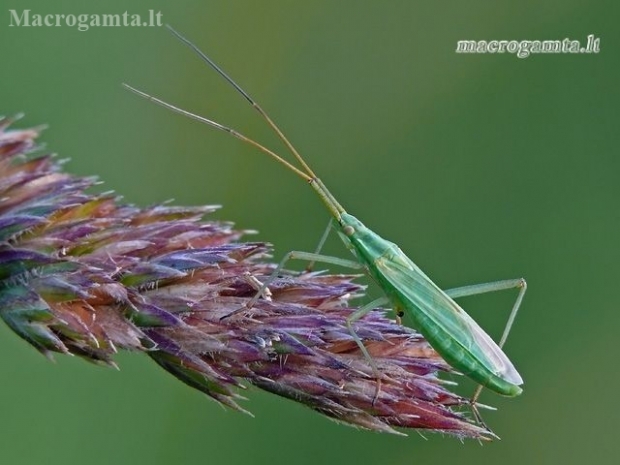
(86, 275)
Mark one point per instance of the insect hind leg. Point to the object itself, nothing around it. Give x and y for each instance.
(485, 288)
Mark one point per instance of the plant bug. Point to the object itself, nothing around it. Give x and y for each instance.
(446, 326)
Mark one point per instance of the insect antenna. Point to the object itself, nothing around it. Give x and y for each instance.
(219, 127)
(252, 102)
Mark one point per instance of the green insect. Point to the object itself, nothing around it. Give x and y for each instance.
(433, 311)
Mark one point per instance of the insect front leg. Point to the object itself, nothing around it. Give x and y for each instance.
(294, 255)
(307, 256)
(319, 247)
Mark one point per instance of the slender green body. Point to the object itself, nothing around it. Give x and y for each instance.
(445, 325)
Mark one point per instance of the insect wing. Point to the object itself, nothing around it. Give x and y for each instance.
(417, 289)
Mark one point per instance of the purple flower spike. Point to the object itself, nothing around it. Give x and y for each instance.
(85, 275)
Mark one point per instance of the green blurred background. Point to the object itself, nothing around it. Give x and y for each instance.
(481, 167)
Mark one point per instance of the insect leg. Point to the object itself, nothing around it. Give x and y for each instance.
(321, 243)
(294, 255)
(484, 289)
(308, 256)
(357, 315)
(257, 285)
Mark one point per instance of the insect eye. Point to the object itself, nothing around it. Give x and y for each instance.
(348, 230)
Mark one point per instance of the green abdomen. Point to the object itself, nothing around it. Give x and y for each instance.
(451, 350)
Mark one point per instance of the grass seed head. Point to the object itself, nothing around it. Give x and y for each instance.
(86, 275)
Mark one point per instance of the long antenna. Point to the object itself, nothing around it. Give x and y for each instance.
(220, 127)
(256, 106)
